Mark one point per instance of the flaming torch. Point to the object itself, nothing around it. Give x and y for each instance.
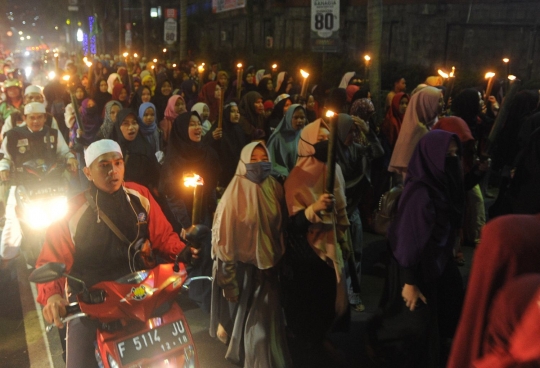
(196, 182)
(489, 76)
(304, 84)
(239, 80)
(331, 161)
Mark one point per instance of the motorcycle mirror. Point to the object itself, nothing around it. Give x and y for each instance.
(48, 272)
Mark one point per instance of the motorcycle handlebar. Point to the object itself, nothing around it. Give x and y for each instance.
(66, 319)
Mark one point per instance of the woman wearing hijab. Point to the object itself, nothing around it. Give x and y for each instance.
(161, 98)
(189, 93)
(283, 143)
(149, 129)
(247, 245)
(175, 107)
(149, 81)
(354, 160)
(204, 112)
(101, 96)
(228, 142)
(423, 292)
(508, 249)
(208, 93)
(248, 83)
(121, 95)
(266, 89)
(143, 94)
(252, 115)
(112, 80)
(394, 118)
(281, 104)
(313, 280)
(187, 154)
(283, 83)
(140, 163)
(111, 110)
(422, 112)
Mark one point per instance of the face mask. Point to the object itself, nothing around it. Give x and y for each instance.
(257, 172)
(92, 111)
(321, 151)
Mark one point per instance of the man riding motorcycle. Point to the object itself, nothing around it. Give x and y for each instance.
(92, 251)
(32, 141)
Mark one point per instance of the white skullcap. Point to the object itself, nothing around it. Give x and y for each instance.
(281, 97)
(98, 148)
(32, 89)
(34, 108)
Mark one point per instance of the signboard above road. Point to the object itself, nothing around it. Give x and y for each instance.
(325, 26)
(170, 31)
(219, 6)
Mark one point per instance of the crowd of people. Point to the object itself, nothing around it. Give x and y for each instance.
(285, 253)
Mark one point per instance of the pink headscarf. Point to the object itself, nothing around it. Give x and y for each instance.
(169, 110)
(420, 116)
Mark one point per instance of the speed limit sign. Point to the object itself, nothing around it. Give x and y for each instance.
(325, 26)
(170, 32)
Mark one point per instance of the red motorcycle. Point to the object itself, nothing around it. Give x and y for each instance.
(140, 324)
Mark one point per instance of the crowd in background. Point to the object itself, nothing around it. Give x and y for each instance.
(281, 242)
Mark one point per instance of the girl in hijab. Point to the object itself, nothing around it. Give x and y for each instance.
(175, 107)
(204, 112)
(354, 160)
(189, 92)
(143, 94)
(312, 109)
(121, 95)
(113, 80)
(422, 112)
(161, 98)
(141, 165)
(508, 249)
(284, 83)
(283, 143)
(281, 104)
(149, 129)
(187, 154)
(149, 81)
(313, 280)
(101, 96)
(252, 115)
(208, 93)
(266, 89)
(394, 118)
(247, 245)
(111, 110)
(228, 142)
(423, 294)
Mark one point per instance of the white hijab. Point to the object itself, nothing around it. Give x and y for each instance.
(248, 224)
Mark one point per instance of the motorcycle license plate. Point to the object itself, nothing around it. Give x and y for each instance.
(153, 342)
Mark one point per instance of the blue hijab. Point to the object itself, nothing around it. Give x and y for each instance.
(149, 132)
(283, 143)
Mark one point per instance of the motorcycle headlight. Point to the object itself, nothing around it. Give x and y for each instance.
(40, 214)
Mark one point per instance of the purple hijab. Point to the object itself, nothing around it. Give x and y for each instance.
(423, 215)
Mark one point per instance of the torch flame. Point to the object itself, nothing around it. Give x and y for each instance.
(85, 59)
(152, 67)
(201, 68)
(125, 54)
(193, 181)
(55, 54)
(506, 60)
(442, 73)
(239, 65)
(274, 66)
(490, 75)
(88, 64)
(135, 55)
(304, 74)
(65, 77)
(174, 65)
(452, 73)
(329, 114)
(155, 60)
(367, 58)
(512, 77)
